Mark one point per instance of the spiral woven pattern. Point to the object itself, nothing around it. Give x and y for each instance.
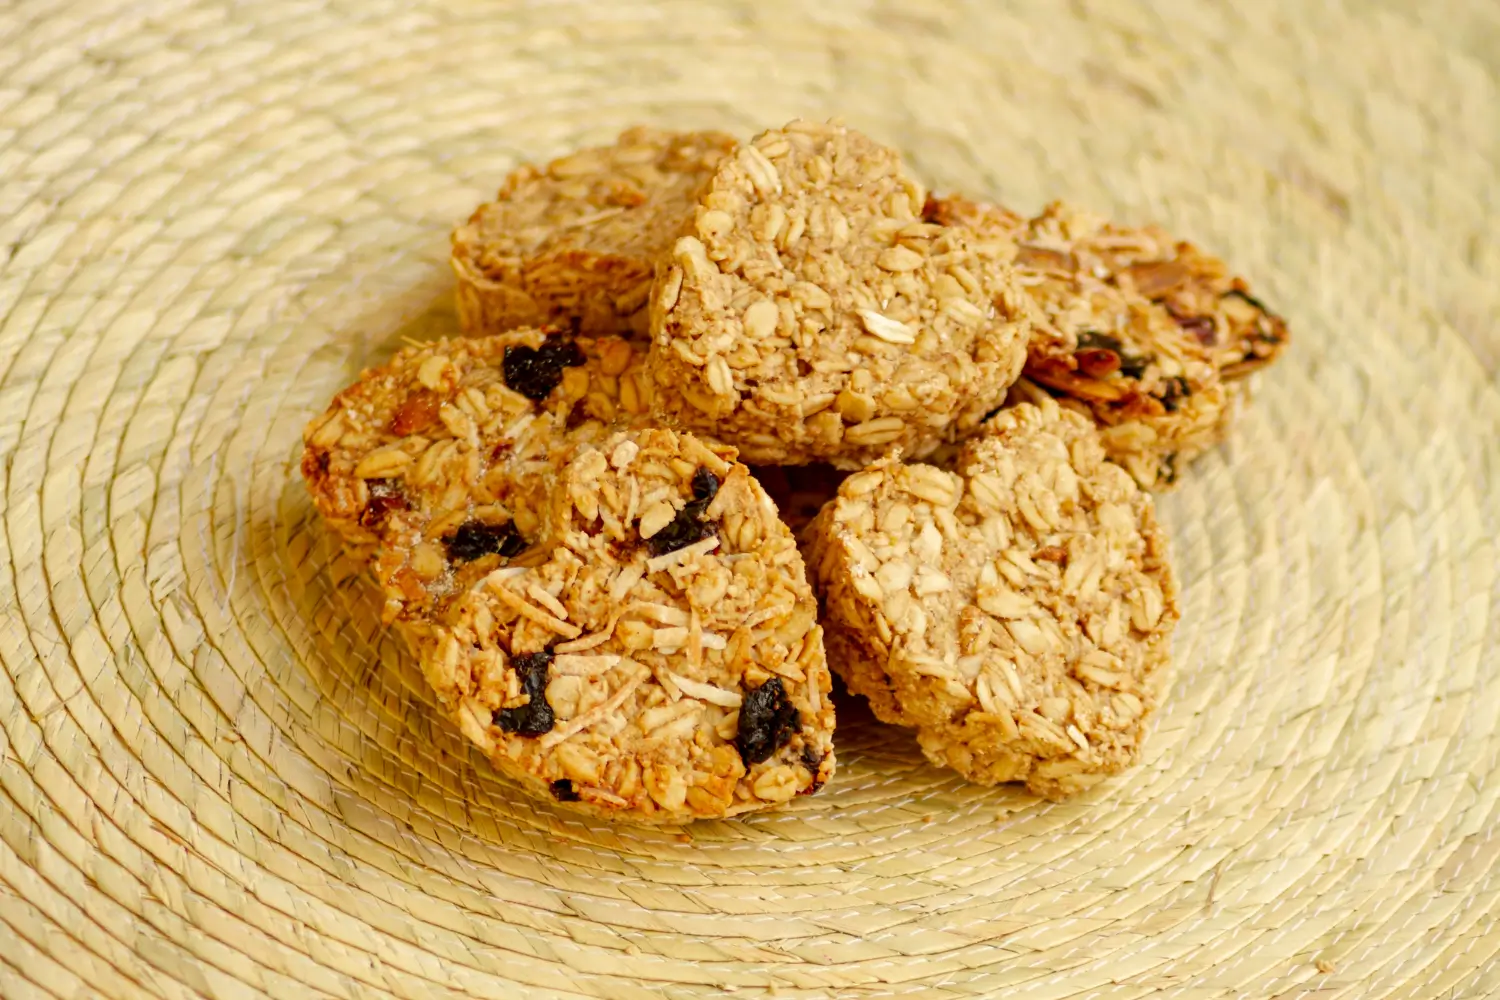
(219, 777)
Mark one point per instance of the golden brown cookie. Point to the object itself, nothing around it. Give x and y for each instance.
(809, 313)
(432, 464)
(1016, 612)
(660, 660)
(1149, 335)
(575, 242)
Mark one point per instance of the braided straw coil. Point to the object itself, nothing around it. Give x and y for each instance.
(220, 777)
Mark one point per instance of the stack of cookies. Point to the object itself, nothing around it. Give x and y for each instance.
(960, 411)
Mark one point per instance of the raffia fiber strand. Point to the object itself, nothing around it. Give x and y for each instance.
(219, 777)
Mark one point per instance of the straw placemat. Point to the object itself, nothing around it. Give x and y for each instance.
(219, 777)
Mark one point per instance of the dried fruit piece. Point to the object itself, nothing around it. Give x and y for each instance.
(563, 791)
(768, 720)
(812, 759)
(474, 539)
(535, 717)
(688, 526)
(535, 371)
(417, 413)
(386, 497)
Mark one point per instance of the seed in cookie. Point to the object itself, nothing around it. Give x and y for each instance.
(575, 241)
(1016, 612)
(807, 313)
(675, 685)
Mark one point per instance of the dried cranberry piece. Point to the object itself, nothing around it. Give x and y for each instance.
(689, 526)
(563, 791)
(474, 539)
(535, 717)
(535, 371)
(768, 719)
(386, 496)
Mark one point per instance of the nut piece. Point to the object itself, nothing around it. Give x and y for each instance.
(806, 276)
(1016, 613)
(576, 240)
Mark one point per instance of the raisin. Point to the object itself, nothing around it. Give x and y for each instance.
(1133, 367)
(813, 761)
(1175, 392)
(385, 496)
(768, 719)
(474, 539)
(418, 412)
(535, 717)
(535, 371)
(563, 791)
(689, 526)
(705, 485)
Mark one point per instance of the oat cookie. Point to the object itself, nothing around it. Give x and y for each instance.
(431, 465)
(662, 660)
(809, 314)
(574, 241)
(1149, 335)
(1016, 612)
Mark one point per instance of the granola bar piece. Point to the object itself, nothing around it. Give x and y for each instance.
(576, 240)
(432, 465)
(1149, 335)
(810, 314)
(663, 662)
(1016, 613)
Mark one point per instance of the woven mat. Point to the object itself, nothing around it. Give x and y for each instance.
(219, 777)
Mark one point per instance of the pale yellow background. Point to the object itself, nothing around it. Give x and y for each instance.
(219, 778)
